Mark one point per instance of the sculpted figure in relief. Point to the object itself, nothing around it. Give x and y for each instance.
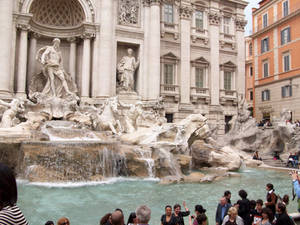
(9, 115)
(128, 12)
(126, 69)
(51, 59)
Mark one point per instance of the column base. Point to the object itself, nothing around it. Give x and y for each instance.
(6, 95)
(21, 95)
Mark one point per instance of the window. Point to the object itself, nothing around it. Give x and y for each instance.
(286, 91)
(285, 36)
(250, 49)
(265, 68)
(265, 45)
(226, 25)
(286, 62)
(251, 71)
(251, 95)
(265, 20)
(199, 20)
(227, 80)
(199, 77)
(285, 7)
(265, 95)
(168, 11)
(169, 74)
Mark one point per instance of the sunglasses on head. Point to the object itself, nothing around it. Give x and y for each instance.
(65, 223)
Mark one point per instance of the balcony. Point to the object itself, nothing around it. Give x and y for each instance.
(169, 90)
(228, 96)
(198, 94)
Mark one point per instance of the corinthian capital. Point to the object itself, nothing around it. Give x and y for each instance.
(155, 2)
(214, 18)
(146, 3)
(186, 12)
(240, 24)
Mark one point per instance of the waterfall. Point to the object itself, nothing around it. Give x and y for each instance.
(170, 161)
(146, 155)
(112, 164)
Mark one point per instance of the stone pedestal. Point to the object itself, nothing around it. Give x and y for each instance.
(129, 97)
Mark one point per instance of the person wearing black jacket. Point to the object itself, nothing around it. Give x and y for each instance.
(283, 217)
(179, 215)
(244, 207)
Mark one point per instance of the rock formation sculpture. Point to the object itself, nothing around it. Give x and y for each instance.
(9, 117)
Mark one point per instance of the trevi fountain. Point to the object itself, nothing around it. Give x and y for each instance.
(81, 160)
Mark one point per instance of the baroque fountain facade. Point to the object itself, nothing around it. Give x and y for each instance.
(93, 89)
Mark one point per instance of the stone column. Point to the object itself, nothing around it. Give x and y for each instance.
(185, 54)
(6, 27)
(154, 51)
(214, 30)
(22, 62)
(240, 41)
(86, 68)
(32, 56)
(72, 58)
(103, 82)
(145, 74)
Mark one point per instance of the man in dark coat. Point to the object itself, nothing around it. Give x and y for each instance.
(222, 210)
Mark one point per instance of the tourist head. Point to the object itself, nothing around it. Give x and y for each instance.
(143, 214)
(280, 208)
(49, 222)
(177, 208)
(269, 187)
(8, 187)
(120, 210)
(243, 194)
(201, 219)
(199, 209)
(259, 204)
(252, 204)
(232, 212)
(227, 194)
(168, 210)
(267, 214)
(223, 201)
(132, 218)
(286, 199)
(105, 218)
(63, 221)
(117, 218)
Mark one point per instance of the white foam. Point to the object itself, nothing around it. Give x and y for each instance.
(84, 184)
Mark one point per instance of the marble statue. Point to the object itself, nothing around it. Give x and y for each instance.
(126, 69)
(51, 59)
(9, 115)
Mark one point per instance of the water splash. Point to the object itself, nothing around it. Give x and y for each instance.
(146, 155)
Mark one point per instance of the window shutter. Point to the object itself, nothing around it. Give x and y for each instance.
(268, 94)
(291, 91)
(282, 92)
(267, 44)
(289, 34)
(262, 95)
(282, 36)
(262, 46)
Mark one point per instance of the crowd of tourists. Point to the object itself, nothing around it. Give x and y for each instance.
(244, 212)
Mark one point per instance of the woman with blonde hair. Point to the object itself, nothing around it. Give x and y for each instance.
(232, 218)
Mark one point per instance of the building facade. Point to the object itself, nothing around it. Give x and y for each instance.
(249, 87)
(276, 44)
(191, 53)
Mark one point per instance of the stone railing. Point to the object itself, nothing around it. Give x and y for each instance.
(170, 90)
(228, 96)
(200, 93)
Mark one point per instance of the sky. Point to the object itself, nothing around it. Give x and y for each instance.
(248, 12)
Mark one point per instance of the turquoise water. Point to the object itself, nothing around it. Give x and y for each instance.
(88, 203)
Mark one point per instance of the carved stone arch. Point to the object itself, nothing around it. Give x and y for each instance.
(87, 6)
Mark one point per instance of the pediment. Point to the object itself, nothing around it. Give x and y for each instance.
(229, 64)
(201, 60)
(170, 55)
